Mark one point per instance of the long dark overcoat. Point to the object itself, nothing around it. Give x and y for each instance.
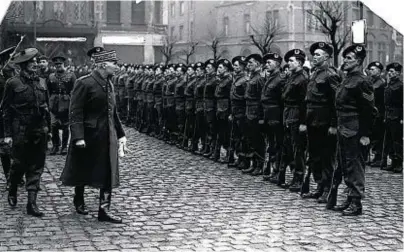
(93, 117)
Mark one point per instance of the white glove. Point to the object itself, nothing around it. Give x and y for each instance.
(81, 143)
(122, 148)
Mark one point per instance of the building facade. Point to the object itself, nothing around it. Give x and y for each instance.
(234, 22)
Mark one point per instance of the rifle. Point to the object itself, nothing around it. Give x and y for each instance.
(230, 141)
(336, 179)
(384, 142)
(17, 47)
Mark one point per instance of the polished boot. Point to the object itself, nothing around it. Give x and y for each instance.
(281, 179)
(233, 162)
(63, 151)
(398, 166)
(343, 206)
(209, 150)
(244, 163)
(376, 162)
(324, 197)
(78, 200)
(54, 150)
(103, 211)
(314, 194)
(273, 178)
(12, 195)
(296, 185)
(354, 209)
(216, 154)
(267, 171)
(250, 169)
(258, 169)
(32, 208)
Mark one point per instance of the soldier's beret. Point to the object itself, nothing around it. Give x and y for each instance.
(376, 64)
(59, 59)
(182, 66)
(199, 65)
(396, 66)
(240, 59)
(226, 63)
(286, 66)
(297, 53)
(5, 54)
(96, 49)
(24, 55)
(323, 46)
(162, 67)
(191, 66)
(254, 56)
(211, 62)
(272, 56)
(359, 51)
(43, 57)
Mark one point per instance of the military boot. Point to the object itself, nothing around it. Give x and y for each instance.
(343, 206)
(32, 208)
(216, 154)
(103, 211)
(354, 209)
(251, 168)
(296, 184)
(210, 149)
(377, 160)
(230, 158)
(281, 179)
(78, 200)
(244, 163)
(258, 169)
(314, 194)
(267, 171)
(63, 151)
(324, 196)
(12, 194)
(54, 151)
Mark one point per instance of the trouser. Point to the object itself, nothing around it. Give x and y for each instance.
(180, 120)
(158, 113)
(321, 148)
(151, 123)
(293, 151)
(223, 131)
(255, 141)
(56, 125)
(28, 156)
(377, 137)
(394, 141)
(237, 141)
(132, 110)
(210, 119)
(171, 120)
(6, 163)
(200, 128)
(189, 124)
(274, 137)
(352, 164)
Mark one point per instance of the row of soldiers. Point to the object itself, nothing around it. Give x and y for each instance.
(253, 107)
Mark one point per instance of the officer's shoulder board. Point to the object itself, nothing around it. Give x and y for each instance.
(84, 77)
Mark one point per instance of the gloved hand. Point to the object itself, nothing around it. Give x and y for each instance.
(80, 143)
(122, 148)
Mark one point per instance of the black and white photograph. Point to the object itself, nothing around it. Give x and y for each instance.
(201, 126)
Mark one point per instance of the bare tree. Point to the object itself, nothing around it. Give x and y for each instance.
(330, 18)
(188, 51)
(167, 48)
(265, 35)
(213, 42)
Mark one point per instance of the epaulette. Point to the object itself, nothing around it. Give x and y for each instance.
(84, 77)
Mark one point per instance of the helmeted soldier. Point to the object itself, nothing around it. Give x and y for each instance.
(180, 102)
(158, 99)
(26, 126)
(255, 141)
(271, 99)
(237, 117)
(223, 110)
(393, 98)
(321, 120)
(375, 68)
(190, 109)
(294, 115)
(354, 103)
(200, 125)
(210, 106)
(60, 84)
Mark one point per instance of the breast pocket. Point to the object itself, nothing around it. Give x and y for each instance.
(22, 94)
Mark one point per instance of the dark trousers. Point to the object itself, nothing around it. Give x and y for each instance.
(200, 128)
(58, 124)
(189, 124)
(377, 137)
(321, 147)
(211, 133)
(352, 164)
(293, 150)
(223, 131)
(132, 110)
(28, 156)
(255, 141)
(158, 117)
(180, 120)
(274, 136)
(238, 138)
(394, 141)
(171, 120)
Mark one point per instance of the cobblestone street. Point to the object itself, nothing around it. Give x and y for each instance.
(171, 200)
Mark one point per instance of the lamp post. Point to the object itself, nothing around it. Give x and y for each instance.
(35, 23)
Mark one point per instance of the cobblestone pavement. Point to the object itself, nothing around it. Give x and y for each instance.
(174, 201)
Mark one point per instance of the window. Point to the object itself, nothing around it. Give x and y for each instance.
(182, 8)
(273, 17)
(58, 10)
(172, 32)
(226, 26)
(157, 12)
(172, 9)
(113, 12)
(355, 14)
(369, 18)
(181, 32)
(138, 12)
(247, 24)
(381, 54)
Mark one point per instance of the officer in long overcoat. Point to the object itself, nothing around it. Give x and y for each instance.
(96, 131)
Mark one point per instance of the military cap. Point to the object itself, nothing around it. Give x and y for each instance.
(286, 66)
(182, 66)
(24, 55)
(96, 49)
(396, 66)
(59, 59)
(5, 54)
(211, 62)
(191, 66)
(199, 65)
(359, 51)
(376, 64)
(104, 56)
(240, 59)
(226, 63)
(43, 57)
(254, 56)
(299, 54)
(272, 56)
(323, 46)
